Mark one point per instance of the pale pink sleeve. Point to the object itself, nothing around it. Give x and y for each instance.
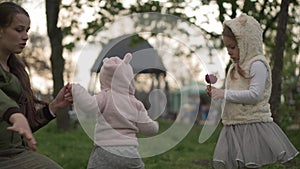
(83, 101)
(145, 124)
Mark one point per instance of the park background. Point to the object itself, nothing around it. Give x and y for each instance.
(61, 29)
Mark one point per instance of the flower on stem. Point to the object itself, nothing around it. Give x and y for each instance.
(210, 78)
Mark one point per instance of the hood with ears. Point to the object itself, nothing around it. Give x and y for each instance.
(117, 74)
(248, 34)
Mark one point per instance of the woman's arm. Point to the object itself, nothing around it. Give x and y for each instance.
(62, 100)
(21, 126)
(8, 106)
(47, 113)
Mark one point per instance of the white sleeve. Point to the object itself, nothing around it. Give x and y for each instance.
(254, 94)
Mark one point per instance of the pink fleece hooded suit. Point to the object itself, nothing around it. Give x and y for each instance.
(120, 116)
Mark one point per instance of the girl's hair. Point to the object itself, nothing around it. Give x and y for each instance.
(228, 33)
(27, 100)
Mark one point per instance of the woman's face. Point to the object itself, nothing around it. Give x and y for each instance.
(232, 49)
(14, 37)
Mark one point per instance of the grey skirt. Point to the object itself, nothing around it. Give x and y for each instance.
(252, 145)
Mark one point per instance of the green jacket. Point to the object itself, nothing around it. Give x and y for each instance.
(10, 91)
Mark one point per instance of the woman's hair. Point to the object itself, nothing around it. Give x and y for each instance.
(228, 33)
(27, 100)
(8, 10)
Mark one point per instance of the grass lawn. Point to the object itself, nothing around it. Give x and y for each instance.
(71, 149)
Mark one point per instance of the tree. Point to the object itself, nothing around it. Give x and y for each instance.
(278, 58)
(266, 12)
(57, 61)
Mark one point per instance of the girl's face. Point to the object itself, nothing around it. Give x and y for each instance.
(232, 49)
(14, 37)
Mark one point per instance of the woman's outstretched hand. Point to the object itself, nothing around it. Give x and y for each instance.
(63, 99)
(21, 126)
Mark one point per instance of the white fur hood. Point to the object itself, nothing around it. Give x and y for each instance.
(248, 34)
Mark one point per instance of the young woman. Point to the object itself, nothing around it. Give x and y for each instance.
(249, 138)
(20, 112)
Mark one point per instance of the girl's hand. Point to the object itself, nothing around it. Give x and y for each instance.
(20, 125)
(217, 94)
(208, 90)
(63, 99)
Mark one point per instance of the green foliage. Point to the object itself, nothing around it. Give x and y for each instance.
(285, 119)
(266, 12)
(105, 12)
(16, 1)
(71, 149)
(69, 46)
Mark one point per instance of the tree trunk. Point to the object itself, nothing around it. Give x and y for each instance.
(278, 59)
(57, 61)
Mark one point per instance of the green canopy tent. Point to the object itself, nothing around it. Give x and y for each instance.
(189, 91)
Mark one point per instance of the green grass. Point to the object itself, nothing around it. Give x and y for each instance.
(71, 149)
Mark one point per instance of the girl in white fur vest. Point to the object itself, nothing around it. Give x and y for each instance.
(249, 138)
